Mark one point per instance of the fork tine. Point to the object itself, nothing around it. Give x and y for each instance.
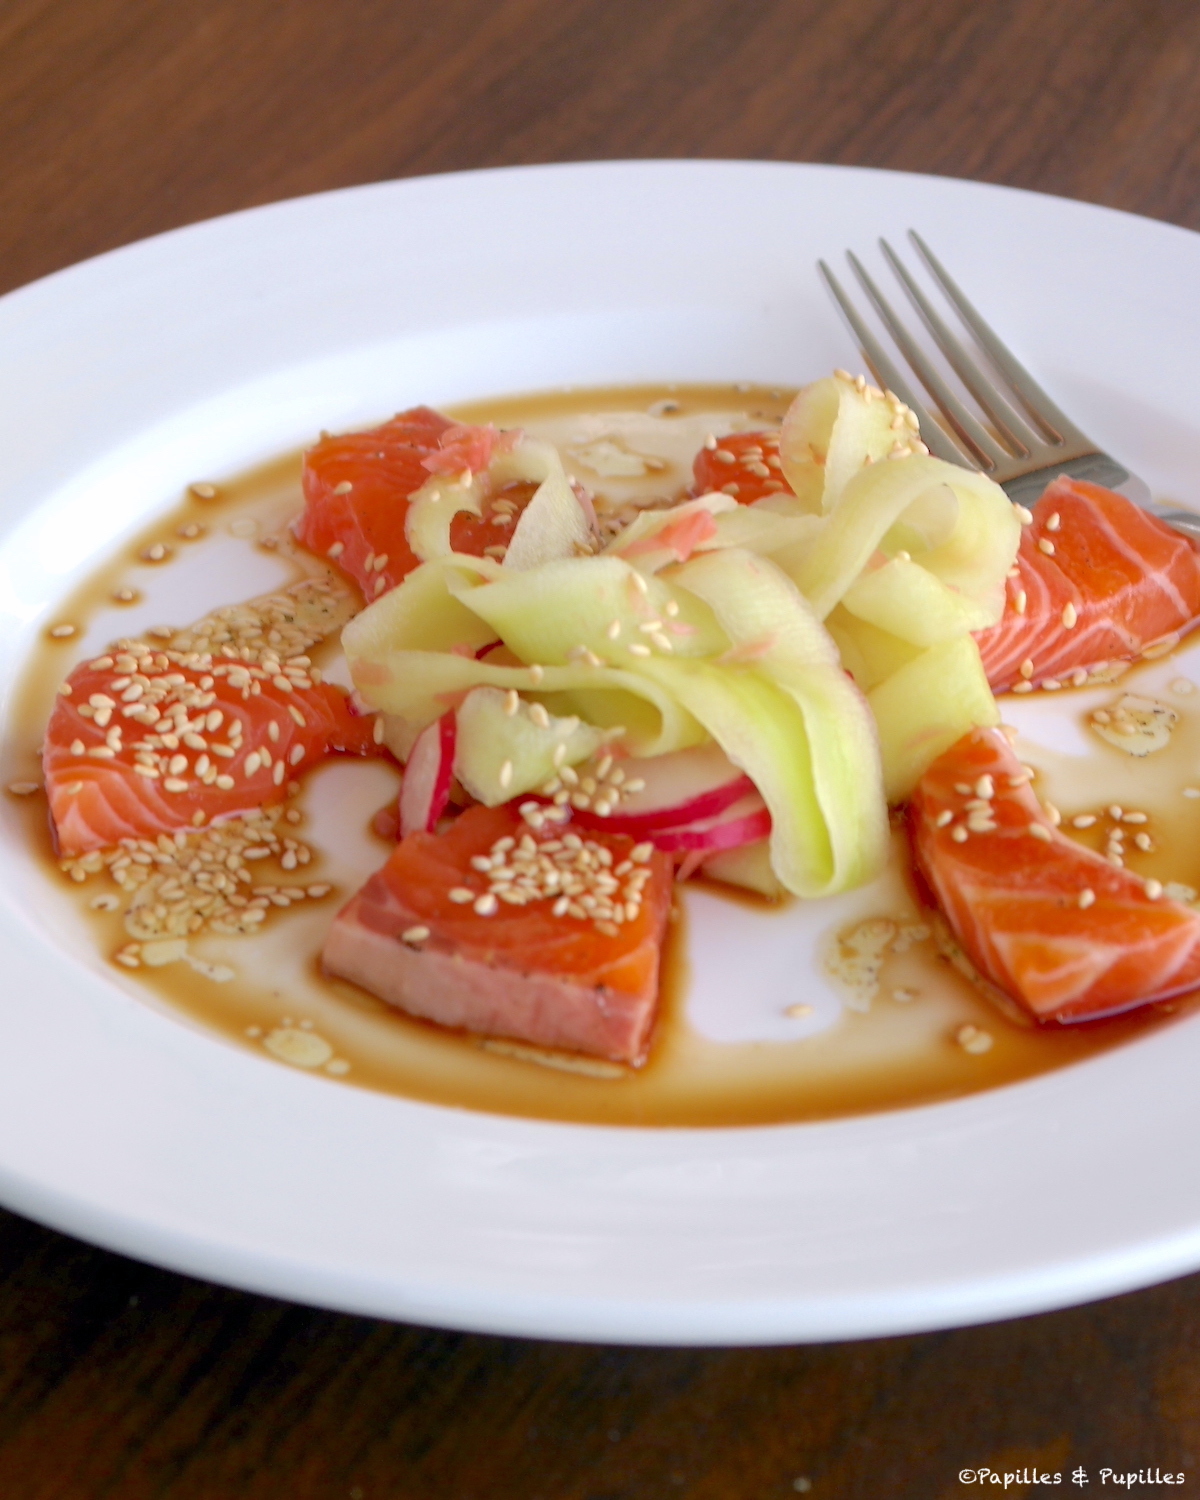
(1012, 427)
(980, 442)
(1040, 406)
(890, 378)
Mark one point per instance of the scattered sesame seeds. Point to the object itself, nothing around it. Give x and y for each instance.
(176, 886)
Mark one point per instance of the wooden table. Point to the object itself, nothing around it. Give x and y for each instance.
(121, 118)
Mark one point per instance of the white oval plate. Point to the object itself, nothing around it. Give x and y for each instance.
(208, 349)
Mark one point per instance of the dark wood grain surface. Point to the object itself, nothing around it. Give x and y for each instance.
(121, 118)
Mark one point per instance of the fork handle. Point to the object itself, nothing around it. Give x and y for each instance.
(1098, 468)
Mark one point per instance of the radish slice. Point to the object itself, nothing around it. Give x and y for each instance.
(683, 787)
(744, 823)
(425, 789)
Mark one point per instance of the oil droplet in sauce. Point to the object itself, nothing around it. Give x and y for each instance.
(894, 1037)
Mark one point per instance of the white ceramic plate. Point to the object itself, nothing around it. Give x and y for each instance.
(205, 350)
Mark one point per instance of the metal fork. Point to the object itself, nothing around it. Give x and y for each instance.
(1032, 441)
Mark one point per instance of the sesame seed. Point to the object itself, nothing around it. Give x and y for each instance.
(537, 672)
(1086, 897)
(414, 935)
(157, 552)
(202, 490)
(1053, 522)
(174, 784)
(974, 1040)
(638, 649)
(62, 632)
(1023, 515)
(23, 788)
(1069, 616)
(460, 895)
(985, 787)
(1154, 889)
(1052, 813)
(959, 834)
(537, 712)
(944, 817)
(1026, 668)
(336, 550)
(1019, 601)
(1040, 831)
(1046, 545)
(486, 905)
(343, 488)
(506, 774)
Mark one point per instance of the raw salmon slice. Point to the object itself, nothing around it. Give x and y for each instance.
(357, 487)
(1051, 924)
(511, 951)
(153, 738)
(1097, 581)
(744, 465)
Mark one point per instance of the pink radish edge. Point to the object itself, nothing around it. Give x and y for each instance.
(744, 824)
(425, 790)
(705, 805)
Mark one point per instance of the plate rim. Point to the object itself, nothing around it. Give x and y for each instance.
(651, 1319)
